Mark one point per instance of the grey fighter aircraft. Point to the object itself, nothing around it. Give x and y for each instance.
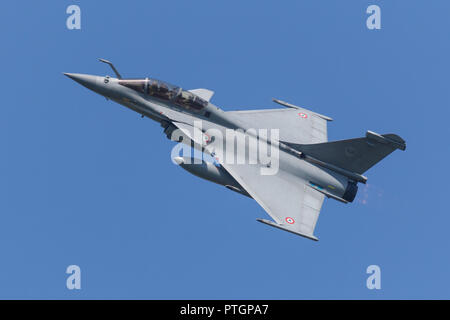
(307, 169)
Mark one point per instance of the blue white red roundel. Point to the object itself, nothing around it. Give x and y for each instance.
(206, 138)
(290, 220)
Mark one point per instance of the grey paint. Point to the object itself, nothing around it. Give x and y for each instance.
(310, 168)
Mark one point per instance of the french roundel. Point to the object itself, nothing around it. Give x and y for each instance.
(206, 138)
(290, 220)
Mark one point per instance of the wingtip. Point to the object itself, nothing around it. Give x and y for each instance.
(281, 227)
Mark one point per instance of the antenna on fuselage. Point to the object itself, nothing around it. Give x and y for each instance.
(112, 67)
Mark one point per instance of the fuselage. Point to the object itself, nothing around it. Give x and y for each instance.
(168, 104)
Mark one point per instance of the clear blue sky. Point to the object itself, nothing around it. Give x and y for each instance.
(85, 181)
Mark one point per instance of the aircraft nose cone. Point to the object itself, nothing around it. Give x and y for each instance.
(86, 80)
(70, 75)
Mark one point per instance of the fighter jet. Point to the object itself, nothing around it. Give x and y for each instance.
(291, 183)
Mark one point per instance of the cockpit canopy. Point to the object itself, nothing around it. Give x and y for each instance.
(167, 92)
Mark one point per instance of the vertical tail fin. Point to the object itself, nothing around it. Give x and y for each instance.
(355, 155)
